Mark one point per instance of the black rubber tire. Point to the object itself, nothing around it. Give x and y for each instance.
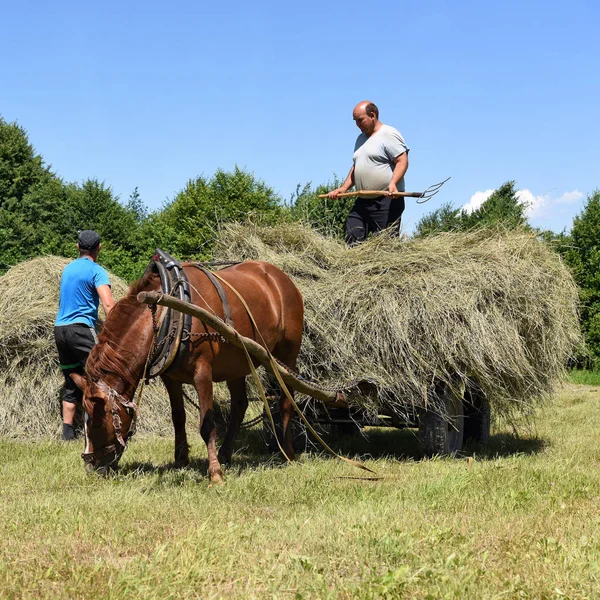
(478, 416)
(437, 435)
(348, 429)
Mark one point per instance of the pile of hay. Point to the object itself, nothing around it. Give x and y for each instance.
(495, 310)
(30, 377)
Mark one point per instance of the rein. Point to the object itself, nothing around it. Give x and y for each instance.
(284, 387)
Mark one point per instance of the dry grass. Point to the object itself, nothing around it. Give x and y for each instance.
(493, 309)
(30, 377)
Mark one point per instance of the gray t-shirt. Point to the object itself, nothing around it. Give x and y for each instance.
(374, 159)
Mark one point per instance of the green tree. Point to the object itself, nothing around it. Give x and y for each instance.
(326, 215)
(40, 214)
(445, 218)
(30, 197)
(93, 205)
(20, 167)
(583, 257)
(188, 226)
(136, 207)
(503, 208)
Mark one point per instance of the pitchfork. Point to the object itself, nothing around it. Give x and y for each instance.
(429, 193)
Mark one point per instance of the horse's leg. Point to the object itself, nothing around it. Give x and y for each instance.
(287, 412)
(239, 404)
(175, 390)
(287, 353)
(204, 387)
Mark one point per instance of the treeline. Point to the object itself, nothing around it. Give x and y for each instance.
(41, 214)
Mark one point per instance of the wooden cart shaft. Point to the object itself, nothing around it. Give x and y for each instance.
(329, 397)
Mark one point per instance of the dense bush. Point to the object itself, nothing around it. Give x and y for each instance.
(503, 208)
(583, 256)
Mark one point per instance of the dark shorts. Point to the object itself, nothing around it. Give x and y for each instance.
(74, 344)
(373, 215)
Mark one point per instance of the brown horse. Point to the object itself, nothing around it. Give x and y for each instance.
(116, 364)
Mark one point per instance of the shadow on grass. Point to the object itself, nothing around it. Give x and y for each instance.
(507, 444)
(400, 444)
(250, 453)
(403, 444)
(196, 465)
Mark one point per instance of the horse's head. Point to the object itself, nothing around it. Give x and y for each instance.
(109, 423)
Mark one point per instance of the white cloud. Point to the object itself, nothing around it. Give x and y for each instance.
(537, 206)
(570, 197)
(477, 199)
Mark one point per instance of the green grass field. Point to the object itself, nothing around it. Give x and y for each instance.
(519, 520)
(584, 377)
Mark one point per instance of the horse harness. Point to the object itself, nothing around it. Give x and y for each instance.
(171, 335)
(174, 330)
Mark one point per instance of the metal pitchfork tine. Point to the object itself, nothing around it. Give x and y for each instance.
(431, 191)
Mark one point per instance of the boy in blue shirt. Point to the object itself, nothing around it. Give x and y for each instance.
(84, 283)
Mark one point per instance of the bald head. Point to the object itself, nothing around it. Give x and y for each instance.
(366, 116)
(366, 107)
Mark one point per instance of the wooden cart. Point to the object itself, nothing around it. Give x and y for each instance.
(466, 415)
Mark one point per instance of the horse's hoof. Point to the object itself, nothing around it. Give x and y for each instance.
(180, 463)
(216, 478)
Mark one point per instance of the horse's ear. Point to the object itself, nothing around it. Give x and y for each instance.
(80, 382)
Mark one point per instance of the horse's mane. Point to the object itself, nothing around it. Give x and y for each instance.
(109, 356)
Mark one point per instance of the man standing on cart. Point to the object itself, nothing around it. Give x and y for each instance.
(380, 162)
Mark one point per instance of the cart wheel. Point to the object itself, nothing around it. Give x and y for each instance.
(438, 435)
(348, 429)
(478, 416)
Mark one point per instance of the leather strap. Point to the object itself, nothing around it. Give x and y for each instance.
(220, 291)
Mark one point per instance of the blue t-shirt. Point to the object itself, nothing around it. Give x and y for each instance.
(79, 298)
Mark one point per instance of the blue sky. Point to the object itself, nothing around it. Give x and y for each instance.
(152, 94)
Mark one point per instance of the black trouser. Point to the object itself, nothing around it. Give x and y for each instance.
(74, 343)
(371, 215)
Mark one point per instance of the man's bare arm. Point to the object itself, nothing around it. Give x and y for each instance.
(106, 298)
(348, 183)
(400, 168)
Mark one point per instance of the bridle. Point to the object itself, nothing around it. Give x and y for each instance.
(116, 401)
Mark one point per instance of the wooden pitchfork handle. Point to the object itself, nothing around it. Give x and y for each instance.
(429, 193)
(377, 193)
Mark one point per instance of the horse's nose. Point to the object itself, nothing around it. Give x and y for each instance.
(102, 470)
